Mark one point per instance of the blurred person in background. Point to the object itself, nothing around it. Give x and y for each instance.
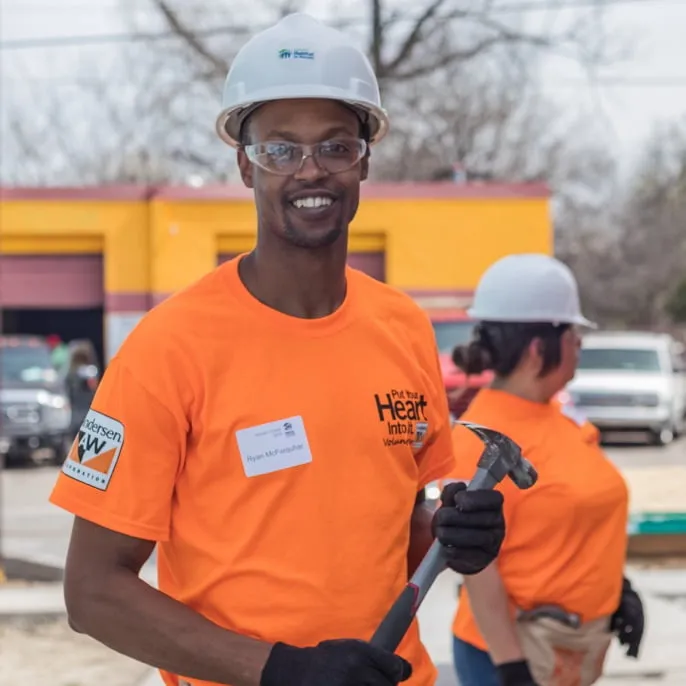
(545, 611)
(59, 351)
(82, 381)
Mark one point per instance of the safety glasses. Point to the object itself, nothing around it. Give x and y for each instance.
(285, 158)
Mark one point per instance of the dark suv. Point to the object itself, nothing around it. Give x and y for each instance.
(35, 411)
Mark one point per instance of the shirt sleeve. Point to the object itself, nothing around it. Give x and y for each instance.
(436, 460)
(122, 467)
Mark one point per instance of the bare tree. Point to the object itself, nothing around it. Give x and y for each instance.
(134, 122)
(452, 74)
(654, 228)
(161, 101)
(405, 41)
(628, 275)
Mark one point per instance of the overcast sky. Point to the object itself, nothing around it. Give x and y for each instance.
(629, 99)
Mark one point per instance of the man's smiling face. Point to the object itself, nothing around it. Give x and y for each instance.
(311, 207)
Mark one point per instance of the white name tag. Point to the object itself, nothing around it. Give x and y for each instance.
(274, 446)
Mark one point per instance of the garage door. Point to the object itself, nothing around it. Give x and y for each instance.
(51, 281)
(372, 263)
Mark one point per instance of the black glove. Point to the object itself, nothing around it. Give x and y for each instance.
(515, 674)
(628, 620)
(471, 527)
(334, 663)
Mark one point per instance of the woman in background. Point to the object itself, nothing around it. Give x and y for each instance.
(544, 612)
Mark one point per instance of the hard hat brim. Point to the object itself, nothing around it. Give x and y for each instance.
(578, 320)
(230, 120)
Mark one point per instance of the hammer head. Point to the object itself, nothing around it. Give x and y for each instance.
(501, 457)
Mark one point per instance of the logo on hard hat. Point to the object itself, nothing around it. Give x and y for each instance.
(286, 54)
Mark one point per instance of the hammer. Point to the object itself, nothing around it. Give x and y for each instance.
(501, 457)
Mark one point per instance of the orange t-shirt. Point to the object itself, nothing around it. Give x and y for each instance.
(566, 537)
(276, 460)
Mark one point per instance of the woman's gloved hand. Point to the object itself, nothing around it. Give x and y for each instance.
(515, 674)
(471, 527)
(628, 620)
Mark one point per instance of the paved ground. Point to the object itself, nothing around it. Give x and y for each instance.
(32, 528)
(638, 455)
(35, 530)
(48, 652)
(663, 660)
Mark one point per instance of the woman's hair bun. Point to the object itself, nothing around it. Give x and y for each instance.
(472, 358)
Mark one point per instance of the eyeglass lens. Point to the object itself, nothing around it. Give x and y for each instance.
(283, 157)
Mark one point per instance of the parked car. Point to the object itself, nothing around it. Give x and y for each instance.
(35, 411)
(632, 381)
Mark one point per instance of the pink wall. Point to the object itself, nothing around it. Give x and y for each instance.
(372, 263)
(47, 281)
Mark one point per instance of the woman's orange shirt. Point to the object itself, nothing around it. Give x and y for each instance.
(566, 537)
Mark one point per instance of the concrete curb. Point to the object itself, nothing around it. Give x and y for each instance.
(30, 570)
(45, 599)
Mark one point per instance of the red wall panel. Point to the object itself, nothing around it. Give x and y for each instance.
(44, 281)
(372, 263)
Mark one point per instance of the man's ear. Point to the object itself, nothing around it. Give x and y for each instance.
(246, 169)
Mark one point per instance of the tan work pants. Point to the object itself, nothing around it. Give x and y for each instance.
(559, 655)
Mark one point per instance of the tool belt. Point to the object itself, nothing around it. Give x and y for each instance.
(570, 619)
(560, 648)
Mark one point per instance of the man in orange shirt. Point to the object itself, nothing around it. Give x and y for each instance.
(272, 427)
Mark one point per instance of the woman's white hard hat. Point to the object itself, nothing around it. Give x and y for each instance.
(299, 57)
(528, 288)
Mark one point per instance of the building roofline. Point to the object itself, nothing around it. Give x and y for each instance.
(59, 193)
(219, 192)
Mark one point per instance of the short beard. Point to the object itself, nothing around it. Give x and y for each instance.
(302, 239)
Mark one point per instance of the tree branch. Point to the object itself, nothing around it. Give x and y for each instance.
(376, 47)
(414, 37)
(218, 65)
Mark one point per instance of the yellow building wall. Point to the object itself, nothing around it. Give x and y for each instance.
(185, 237)
(429, 244)
(162, 245)
(118, 229)
(153, 247)
(448, 244)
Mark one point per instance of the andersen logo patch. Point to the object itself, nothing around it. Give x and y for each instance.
(95, 450)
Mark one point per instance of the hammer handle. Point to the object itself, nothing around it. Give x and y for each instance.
(398, 620)
(395, 624)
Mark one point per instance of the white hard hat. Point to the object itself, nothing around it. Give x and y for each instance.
(528, 288)
(299, 57)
